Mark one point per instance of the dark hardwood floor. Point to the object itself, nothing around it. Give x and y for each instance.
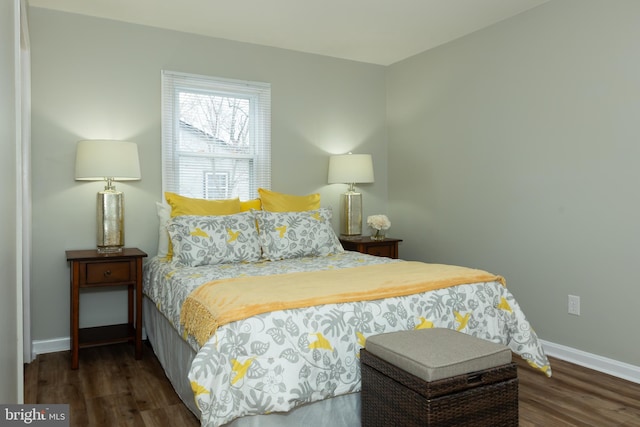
(111, 388)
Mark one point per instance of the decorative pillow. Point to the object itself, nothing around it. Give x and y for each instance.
(181, 205)
(286, 235)
(222, 239)
(250, 204)
(164, 214)
(280, 202)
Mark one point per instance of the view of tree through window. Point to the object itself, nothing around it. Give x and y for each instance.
(216, 138)
(222, 118)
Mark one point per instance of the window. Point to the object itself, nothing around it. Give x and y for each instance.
(216, 136)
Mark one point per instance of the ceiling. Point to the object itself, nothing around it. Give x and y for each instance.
(373, 31)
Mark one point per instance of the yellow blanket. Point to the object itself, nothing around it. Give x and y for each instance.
(223, 301)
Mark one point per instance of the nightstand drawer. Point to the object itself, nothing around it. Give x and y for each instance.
(386, 251)
(363, 244)
(108, 272)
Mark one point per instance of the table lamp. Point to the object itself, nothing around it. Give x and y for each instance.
(351, 169)
(98, 160)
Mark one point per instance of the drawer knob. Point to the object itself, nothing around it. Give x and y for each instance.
(107, 273)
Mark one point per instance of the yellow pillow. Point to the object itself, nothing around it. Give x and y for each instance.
(250, 204)
(280, 202)
(181, 205)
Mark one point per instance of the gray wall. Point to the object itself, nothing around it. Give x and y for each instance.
(95, 78)
(516, 150)
(9, 361)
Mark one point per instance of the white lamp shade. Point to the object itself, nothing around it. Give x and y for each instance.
(102, 159)
(350, 169)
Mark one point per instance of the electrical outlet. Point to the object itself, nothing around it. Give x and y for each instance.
(574, 305)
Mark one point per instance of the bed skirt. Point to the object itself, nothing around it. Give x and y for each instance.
(175, 356)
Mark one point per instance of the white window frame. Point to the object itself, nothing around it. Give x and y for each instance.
(259, 95)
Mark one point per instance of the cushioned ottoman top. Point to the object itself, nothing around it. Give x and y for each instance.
(434, 354)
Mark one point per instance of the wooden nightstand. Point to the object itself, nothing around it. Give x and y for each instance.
(363, 244)
(89, 269)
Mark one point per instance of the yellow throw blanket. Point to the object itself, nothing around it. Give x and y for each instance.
(223, 301)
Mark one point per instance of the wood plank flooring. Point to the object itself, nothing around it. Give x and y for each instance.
(111, 388)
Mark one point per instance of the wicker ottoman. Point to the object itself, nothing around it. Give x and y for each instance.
(437, 377)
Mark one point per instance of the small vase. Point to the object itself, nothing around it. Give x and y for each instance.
(378, 235)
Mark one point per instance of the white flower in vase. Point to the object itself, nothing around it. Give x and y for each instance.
(379, 223)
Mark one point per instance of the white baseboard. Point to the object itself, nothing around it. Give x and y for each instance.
(50, 346)
(592, 361)
(58, 344)
(579, 357)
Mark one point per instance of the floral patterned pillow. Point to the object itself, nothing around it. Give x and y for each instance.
(220, 239)
(285, 235)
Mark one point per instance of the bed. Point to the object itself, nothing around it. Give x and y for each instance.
(296, 363)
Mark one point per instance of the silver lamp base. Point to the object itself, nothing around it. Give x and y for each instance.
(110, 221)
(351, 214)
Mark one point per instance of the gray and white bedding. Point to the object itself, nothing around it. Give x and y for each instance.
(277, 361)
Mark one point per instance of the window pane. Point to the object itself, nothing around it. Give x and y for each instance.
(197, 177)
(214, 123)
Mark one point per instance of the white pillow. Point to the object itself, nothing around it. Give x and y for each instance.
(164, 214)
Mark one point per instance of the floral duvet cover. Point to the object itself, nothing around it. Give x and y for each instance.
(277, 361)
